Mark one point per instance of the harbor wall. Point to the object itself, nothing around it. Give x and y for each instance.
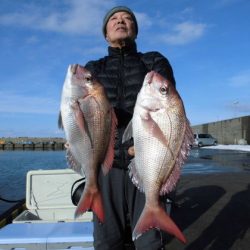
(232, 131)
(32, 146)
(31, 143)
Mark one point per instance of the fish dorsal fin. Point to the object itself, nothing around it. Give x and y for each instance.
(182, 155)
(109, 157)
(128, 133)
(60, 123)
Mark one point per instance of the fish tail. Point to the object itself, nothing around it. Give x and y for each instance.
(90, 201)
(156, 218)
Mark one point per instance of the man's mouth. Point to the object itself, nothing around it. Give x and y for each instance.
(121, 28)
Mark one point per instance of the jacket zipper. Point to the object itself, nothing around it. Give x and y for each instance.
(120, 87)
(120, 99)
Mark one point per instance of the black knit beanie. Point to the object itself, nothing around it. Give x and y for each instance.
(113, 11)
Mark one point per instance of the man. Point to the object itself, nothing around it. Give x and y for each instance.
(122, 73)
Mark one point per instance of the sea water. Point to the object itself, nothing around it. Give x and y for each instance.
(14, 166)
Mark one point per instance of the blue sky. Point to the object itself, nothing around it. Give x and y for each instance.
(206, 42)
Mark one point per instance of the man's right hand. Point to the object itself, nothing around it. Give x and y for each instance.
(131, 151)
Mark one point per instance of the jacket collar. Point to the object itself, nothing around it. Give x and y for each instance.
(128, 49)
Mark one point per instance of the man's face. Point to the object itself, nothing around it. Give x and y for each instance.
(120, 27)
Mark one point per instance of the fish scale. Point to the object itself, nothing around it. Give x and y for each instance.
(89, 123)
(162, 138)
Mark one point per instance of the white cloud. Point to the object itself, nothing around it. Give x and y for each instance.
(32, 40)
(239, 108)
(144, 21)
(77, 17)
(32, 132)
(187, 11)
(99, 50)
(16, 103)
(184, 33)
(223, 3)
(240, 80)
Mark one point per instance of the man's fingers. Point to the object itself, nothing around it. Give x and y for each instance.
(131, 151)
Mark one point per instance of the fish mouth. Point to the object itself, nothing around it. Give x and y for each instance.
(78, 69)
(80, 72)
(73, 68)
(150, 76)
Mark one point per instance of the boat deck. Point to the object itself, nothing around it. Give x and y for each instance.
(47, 235)
(213, 212)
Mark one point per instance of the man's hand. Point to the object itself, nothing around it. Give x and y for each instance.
(131, 151)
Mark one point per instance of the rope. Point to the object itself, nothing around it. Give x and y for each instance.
(72, 188)
(10, 201)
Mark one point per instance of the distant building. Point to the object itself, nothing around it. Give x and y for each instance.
(232, 131)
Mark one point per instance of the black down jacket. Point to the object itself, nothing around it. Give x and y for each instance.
(122, 73)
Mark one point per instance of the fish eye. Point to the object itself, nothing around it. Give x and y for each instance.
(163, 90)
(88, 78)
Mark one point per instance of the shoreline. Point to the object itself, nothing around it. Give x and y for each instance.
(230, 147)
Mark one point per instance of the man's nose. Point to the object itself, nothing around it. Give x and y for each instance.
(120, 20)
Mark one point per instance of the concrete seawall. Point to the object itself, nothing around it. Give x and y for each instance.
(227, 131)
(32, 146)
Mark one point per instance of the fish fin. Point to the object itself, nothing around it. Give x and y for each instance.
(90, 200)
(128, 133)
(152, 127)
(60, 123)
(80, 120)
(189, 135)
(156, 217)
(134, 176)
(72, 162)
(182, 155)
(108, 161)
(172, 180)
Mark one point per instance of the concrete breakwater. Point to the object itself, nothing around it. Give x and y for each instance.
(22, 143)
(32, 146)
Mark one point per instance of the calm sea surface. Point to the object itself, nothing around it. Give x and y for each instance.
(14, 166)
